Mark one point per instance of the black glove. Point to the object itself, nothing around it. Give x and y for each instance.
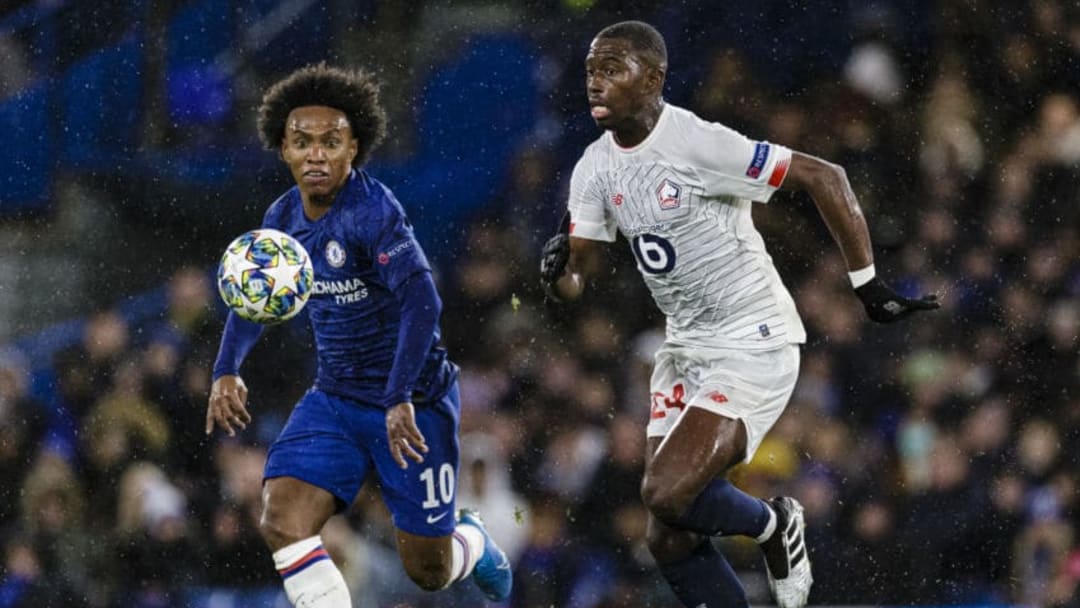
(884, 305)
(554, 256)
(553, 259)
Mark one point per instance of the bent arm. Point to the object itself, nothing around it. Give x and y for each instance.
(827, 184)
(236, 342)
(571, 284)
(420, 310)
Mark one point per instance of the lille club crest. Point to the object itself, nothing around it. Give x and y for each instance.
(669, 194)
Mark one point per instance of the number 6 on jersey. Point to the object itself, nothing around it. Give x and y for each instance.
(655, 254)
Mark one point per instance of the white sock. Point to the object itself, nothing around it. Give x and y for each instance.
(467, 546)
(770, 527)
(311, 578)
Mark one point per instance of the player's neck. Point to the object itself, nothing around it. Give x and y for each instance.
(637, 128)
(317, 206)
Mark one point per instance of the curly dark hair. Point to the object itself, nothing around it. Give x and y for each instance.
(354, 92)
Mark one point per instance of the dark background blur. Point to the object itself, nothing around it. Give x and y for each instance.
(937, 459)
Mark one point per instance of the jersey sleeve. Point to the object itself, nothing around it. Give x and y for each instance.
(589, 216)
(731, 164)
(394, 249)
(240, 336)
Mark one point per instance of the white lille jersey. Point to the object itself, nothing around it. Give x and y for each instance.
(682, 199)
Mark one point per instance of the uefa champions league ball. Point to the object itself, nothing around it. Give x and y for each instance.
(265, 276)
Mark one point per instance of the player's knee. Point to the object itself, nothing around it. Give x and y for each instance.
(428, 574)
(278, 530)
(274, 534)
(662, 500)
(667, 545)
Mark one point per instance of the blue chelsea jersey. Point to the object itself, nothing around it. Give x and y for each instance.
(362, 250)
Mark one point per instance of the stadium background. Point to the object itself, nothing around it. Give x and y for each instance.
(937, 459)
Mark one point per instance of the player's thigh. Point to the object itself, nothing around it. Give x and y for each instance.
(699, 448)
(703, 446)
(320, 446)
(422, 497)
(750, 386)
(293, 510)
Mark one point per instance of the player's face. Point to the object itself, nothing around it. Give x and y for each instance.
(617, 82)
(319, 148)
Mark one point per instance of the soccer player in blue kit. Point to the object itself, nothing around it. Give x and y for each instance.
(385, 399)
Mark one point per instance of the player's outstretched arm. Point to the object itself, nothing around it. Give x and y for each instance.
(563, 261)
(228, 394)
(228, 405)
(827, 184)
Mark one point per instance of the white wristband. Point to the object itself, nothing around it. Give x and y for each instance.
(861, 276)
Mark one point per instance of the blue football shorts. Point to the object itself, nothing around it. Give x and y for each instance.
(334, 443)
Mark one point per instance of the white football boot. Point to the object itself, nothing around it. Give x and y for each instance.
(786, 558)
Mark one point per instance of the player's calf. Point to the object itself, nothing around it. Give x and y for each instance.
(430, 572)
(720, 508)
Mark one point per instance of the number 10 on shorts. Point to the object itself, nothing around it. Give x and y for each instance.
(445, 483)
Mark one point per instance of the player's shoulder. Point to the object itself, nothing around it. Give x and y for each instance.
(282, 208)
(594, 155)
(369, 203)
(687, 122)
(376, 196)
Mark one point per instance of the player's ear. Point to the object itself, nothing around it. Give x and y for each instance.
(656, 79)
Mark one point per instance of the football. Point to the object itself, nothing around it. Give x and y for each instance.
(265, 276)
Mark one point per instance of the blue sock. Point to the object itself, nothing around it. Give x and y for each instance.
(705, 578)
(723, 509)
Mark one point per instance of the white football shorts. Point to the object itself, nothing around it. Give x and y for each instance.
(749, 385)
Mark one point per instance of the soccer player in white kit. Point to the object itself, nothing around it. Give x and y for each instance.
(680, 189)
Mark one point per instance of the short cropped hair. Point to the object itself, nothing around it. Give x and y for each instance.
(643, 38)
(354, 92)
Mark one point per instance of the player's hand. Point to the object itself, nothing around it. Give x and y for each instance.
(404, 437)
(884, 305)
(227, 408)
(553, 259)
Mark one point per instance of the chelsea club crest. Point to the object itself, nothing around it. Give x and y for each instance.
(335, 254)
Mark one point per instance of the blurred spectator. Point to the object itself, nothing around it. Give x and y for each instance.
(484, 485)
(154, 538)
(22, 583)
(75, 559)
(549, 566)
(85, 371)
(123, 426)
(22, 425)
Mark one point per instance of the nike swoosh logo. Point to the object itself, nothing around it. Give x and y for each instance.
(503, 566)
(434, 518)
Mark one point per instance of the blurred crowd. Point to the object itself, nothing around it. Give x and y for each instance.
(937, 459)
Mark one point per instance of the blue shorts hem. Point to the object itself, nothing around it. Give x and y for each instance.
(427, 531)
